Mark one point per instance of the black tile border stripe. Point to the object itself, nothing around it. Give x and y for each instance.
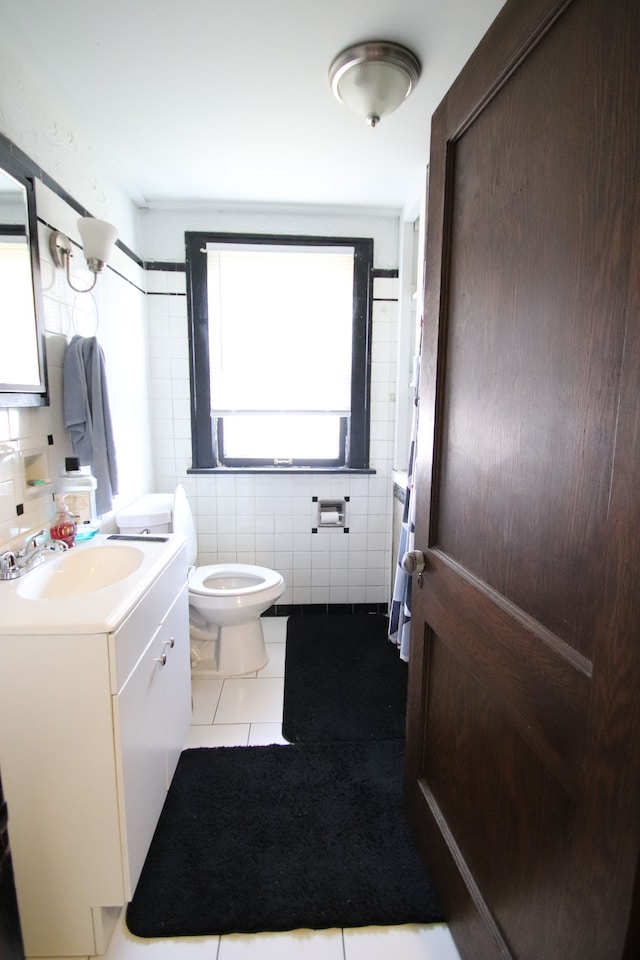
(167, 266)
(307, 609)
(164, 293)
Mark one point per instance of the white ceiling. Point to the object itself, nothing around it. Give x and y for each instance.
(228, 100)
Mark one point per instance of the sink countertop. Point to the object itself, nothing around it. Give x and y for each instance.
(92, 612)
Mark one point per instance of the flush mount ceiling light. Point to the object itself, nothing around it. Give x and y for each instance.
(98, 238)
(372, 79)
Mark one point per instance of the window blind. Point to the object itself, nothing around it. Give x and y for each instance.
(293, 306)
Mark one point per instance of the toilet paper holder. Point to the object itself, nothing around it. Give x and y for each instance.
(332, 513)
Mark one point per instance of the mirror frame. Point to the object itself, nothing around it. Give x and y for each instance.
(38, 395)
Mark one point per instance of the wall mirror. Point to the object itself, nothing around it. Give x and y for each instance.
(23, 378)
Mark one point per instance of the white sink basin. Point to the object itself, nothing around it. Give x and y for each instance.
(88, 590)
(80, 572)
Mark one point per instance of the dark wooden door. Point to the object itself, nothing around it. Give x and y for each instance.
(523, 766)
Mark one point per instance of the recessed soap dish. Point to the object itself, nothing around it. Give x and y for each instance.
(35, 465)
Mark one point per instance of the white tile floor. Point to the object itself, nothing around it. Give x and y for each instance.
(248, 711)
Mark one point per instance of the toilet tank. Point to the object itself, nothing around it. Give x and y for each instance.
(149, 514)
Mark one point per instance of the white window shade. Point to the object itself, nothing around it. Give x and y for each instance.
(280, 328)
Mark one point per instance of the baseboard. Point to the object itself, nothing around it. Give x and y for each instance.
(297, 609)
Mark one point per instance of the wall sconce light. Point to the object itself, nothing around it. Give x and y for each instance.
(98, 238)
(372, 79)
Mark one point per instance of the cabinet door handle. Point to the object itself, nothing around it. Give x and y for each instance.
(170, 642)
(161, 660)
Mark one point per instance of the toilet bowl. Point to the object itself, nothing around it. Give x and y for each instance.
(225, 599)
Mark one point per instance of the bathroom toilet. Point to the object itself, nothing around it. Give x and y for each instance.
(225, 599)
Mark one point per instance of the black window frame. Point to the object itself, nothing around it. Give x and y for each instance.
(205, 428)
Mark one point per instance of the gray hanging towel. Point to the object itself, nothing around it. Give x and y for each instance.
(87, 415)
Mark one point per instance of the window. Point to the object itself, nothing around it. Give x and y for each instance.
(280, 343)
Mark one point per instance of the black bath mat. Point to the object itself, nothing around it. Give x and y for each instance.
(281, 838)
(343, 680)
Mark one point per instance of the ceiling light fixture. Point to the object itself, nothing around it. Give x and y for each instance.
(372, 79)
(98, 238)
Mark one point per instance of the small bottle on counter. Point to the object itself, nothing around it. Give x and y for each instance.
(64, 526)
(78, 487)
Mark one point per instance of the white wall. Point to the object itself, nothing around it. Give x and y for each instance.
(162, 229)
(40, 127)
(115, 311)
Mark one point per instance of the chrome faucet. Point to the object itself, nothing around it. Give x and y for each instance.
(14, 564)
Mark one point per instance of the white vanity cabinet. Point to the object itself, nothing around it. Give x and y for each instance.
(151, 716)
(91, 728)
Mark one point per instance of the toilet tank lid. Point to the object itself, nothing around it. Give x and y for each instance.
(148, 510)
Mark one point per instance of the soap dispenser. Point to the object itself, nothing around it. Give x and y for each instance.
(64, 526)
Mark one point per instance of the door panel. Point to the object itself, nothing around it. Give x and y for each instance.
(523, 748)
(540, 682)
(526, 242)
(500, 857)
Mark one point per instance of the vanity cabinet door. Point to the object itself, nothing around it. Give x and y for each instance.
(176, 680)
(152, 713)
(140, 754)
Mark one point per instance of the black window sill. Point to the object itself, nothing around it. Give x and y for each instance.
(281, 471)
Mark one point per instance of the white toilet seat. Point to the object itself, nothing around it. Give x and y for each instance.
(232, 579)
(226, 600)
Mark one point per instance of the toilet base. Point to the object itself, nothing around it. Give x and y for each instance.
(236, 650)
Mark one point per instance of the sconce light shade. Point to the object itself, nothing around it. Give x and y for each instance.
(372, 79)
(98, 238)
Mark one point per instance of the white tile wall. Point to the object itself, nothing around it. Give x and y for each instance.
(115, 311)
(268, 519)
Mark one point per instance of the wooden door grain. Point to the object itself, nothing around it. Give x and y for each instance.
(523, 769)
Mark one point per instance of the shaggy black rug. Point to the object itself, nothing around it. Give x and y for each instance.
(343, 680)
(281, 838)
